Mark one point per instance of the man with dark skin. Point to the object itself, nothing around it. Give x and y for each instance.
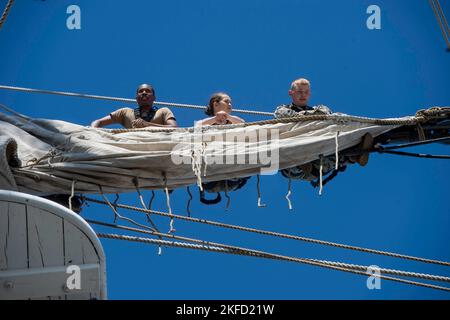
(145, 115)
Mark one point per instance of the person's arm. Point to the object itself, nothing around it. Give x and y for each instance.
(322, 109)
(235, 119)
(102, 122)
(206, 122)
(285, 112)
(141, 123)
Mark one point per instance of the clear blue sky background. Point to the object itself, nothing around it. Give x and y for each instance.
(253, 50)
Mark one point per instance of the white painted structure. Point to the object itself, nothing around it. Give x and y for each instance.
(39, 241)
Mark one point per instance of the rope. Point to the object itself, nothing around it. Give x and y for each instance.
(171, 228)
(189, 201)
(120, 216)
(196, 161)
(204, 157)
(388, 271)
(443, 16)
(413, 144)
(227, 196)
(330, 177)
(266, 254)
(339, 119)
(117, 99)
(337, 150)
(6, 12)
(417, 155)
(141, 199)
(444, 33)
(150, 202)
(117, 215)
(420, 117)
(282, 235)
(321, 175)
(420, 133)
(289, 194)
(72, 194)
(258, 189)
(115, 206)
(248, 252)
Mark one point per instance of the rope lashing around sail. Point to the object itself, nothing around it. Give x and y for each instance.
(421, 116)
(277, 234)
(6, 12)
(266, 254)
(117, 99)
(255, 253)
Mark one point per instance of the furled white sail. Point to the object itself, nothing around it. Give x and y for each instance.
(52, 155)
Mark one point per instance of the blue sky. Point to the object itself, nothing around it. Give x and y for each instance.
(253, 50)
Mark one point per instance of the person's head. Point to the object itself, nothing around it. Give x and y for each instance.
(145, 95)
(218, 102)
(300, 92)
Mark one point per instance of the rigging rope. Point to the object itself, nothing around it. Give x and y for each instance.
(117, 99)
(248, 252)
(421, 115)
(6, 12)
(443, 16)
(391, 149)
(413, 144)
(417, 155)
(267, 254)
(281, 235)
(445, 30)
